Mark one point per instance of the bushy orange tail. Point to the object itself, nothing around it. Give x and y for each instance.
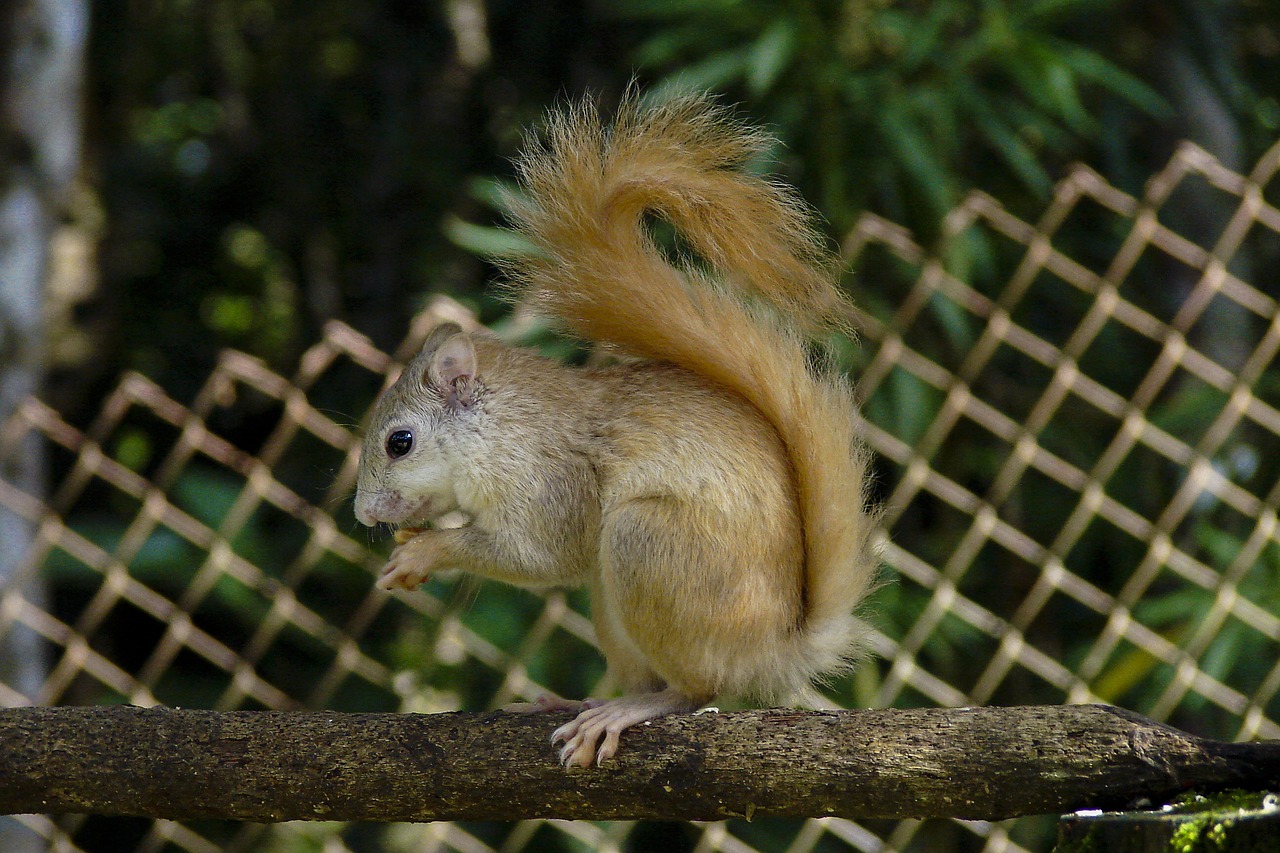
(587, 190)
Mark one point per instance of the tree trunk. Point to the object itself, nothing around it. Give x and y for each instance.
(41, 66)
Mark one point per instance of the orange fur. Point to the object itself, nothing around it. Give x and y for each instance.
(587, 188)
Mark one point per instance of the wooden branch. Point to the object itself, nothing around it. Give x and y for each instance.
(987, 763)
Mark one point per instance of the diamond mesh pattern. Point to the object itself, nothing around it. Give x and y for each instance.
(1077, 441)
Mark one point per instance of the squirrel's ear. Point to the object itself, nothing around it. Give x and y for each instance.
(453, 360)
(439, 335)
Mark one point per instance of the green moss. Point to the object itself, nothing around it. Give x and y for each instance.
(1222, 801)
(1235, 821)
(1186, 838)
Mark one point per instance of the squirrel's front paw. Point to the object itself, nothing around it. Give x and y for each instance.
(410, 564)
(402, 577)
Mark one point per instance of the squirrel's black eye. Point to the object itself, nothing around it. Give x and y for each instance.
(399, 443)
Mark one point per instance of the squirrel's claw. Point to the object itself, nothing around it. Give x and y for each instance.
(401, 577)
(592, 736)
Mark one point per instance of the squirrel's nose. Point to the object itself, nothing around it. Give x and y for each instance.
(364, 510)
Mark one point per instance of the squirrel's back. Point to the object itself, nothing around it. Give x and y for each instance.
(738, 316)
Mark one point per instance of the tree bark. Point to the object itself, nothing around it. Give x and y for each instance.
(975, 763)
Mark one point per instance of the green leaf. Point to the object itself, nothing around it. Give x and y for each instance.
(667, 47)
(913, 151)
(1221, 546)
(913, 405)
(1048, 84)
(1094, 67)
(486, 240)
(493, 192)
(955, 322)
(922, 38)
(162, 553)
(1004, 139)
(770, 56)
(206, 495)
(1230, 644)
(1172, 608)
(1129, 670)
(133, 449)
(717, 71)
(1062, 92)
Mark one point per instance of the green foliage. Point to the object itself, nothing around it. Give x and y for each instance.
(892, 105)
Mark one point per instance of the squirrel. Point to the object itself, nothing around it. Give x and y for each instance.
(711, 488)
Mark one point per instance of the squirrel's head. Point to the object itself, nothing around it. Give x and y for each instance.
(407, 463)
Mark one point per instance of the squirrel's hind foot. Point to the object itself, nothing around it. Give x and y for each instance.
(592, 736)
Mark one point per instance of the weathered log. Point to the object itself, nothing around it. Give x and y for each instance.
(982, 763)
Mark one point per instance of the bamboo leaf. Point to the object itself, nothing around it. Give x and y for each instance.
(919, 160)
(717, 71)
(1092, 66)
(1005, 141)
(486, 240)
(770, 56)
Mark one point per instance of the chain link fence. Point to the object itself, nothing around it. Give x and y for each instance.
(1078, 437)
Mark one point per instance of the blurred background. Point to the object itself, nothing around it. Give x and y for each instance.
(253, 169)
(219, 221)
